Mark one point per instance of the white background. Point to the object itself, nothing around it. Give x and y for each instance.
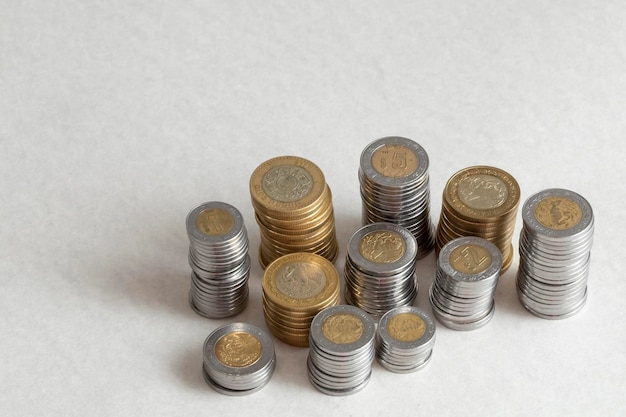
(118, 117)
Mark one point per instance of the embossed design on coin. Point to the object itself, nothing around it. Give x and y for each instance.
(382, 247)
(287, 183)
(215, 222)
(558, 213)
(238, 349)
(470, 259)
(394, 161)
(482, 192)
(300, 280)
(406, 327)
(343, 328)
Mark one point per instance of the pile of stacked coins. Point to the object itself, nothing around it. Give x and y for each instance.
(293, 207)
(405, 339)
(555, 245)
(395, 187)
(342, 350)
(295, 288)
(218, 255)
(380, 268)
(462, 294)
(238, 359)
(480, 201)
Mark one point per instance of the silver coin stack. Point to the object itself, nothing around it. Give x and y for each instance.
(218, 256)
(555, 244)
(239, 359)
(380, 268)
(341, 350)
(394, 182)
(462, 294)
(405, 339)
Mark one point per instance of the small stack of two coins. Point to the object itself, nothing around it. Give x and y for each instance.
(480, 201)
(555, 245)
(293, 208)
(218, 256)
(295, 288)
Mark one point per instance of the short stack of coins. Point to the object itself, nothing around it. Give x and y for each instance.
(293, 208)
(462, 293)
(380, 268)
(404, 339)
(295, 288)
(239, 359)
(555, 244)
(480, 201)
(395, 187)
(341, 350)
(218, 256)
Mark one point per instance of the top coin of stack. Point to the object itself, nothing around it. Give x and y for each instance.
(293, 208)
(480, 201)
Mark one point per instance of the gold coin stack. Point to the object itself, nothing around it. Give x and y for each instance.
(295, 288)
(293, 208)
(480, 201)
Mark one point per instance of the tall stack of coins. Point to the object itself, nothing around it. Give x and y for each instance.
(404, 339)
(395, 187)
(295, 288)
(462, 294)
(342, 350)
(480, 201)
(294, 210)
(380, 268)
(555, 245)
(218, 256)
(238, 359)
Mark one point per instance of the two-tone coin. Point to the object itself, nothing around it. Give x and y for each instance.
(394, 184)
(218, 256)
(380, 268)
(341, 350)
(462, 293)
(555, 246)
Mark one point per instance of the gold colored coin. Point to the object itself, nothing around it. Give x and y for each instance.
(394, 161)
(558, 213)
(470, 259)
(406, 327)
(215, 222)
(343, 328)
(238, 349)
(382, 246)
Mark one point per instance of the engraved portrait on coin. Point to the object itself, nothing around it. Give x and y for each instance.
(558, 213)
(343, 328)
(482, 192)
(287, 183)
(300, 280)
(382, 246)
(238, 349)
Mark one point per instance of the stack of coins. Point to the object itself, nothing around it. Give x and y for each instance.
(342, 350)
(294, 210)
(218, 255)
(295, 288)
(238, 359)
(462, 294)
(380, 268)
(480, 201)
(405, 339)
(555, 245)
(395, 188)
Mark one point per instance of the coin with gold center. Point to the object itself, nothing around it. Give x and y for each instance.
(238, 349)
(382, 246)
(215, 222)
(406, 327)
(558, 213)
(342, 328)
(394, 160)
(470, 259)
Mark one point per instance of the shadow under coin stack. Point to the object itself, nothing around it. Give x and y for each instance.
(218, 256)
(293, 208)
(462, 294)
(555, 244)
(405, 339)
(380, 268)
(238, 359)
(295, 288)
(480, 201)
(342, 350)
(395, 188)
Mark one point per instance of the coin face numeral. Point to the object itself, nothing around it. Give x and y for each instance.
(470, 259)
(473, 260)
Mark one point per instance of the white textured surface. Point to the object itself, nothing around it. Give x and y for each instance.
(118, 117)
